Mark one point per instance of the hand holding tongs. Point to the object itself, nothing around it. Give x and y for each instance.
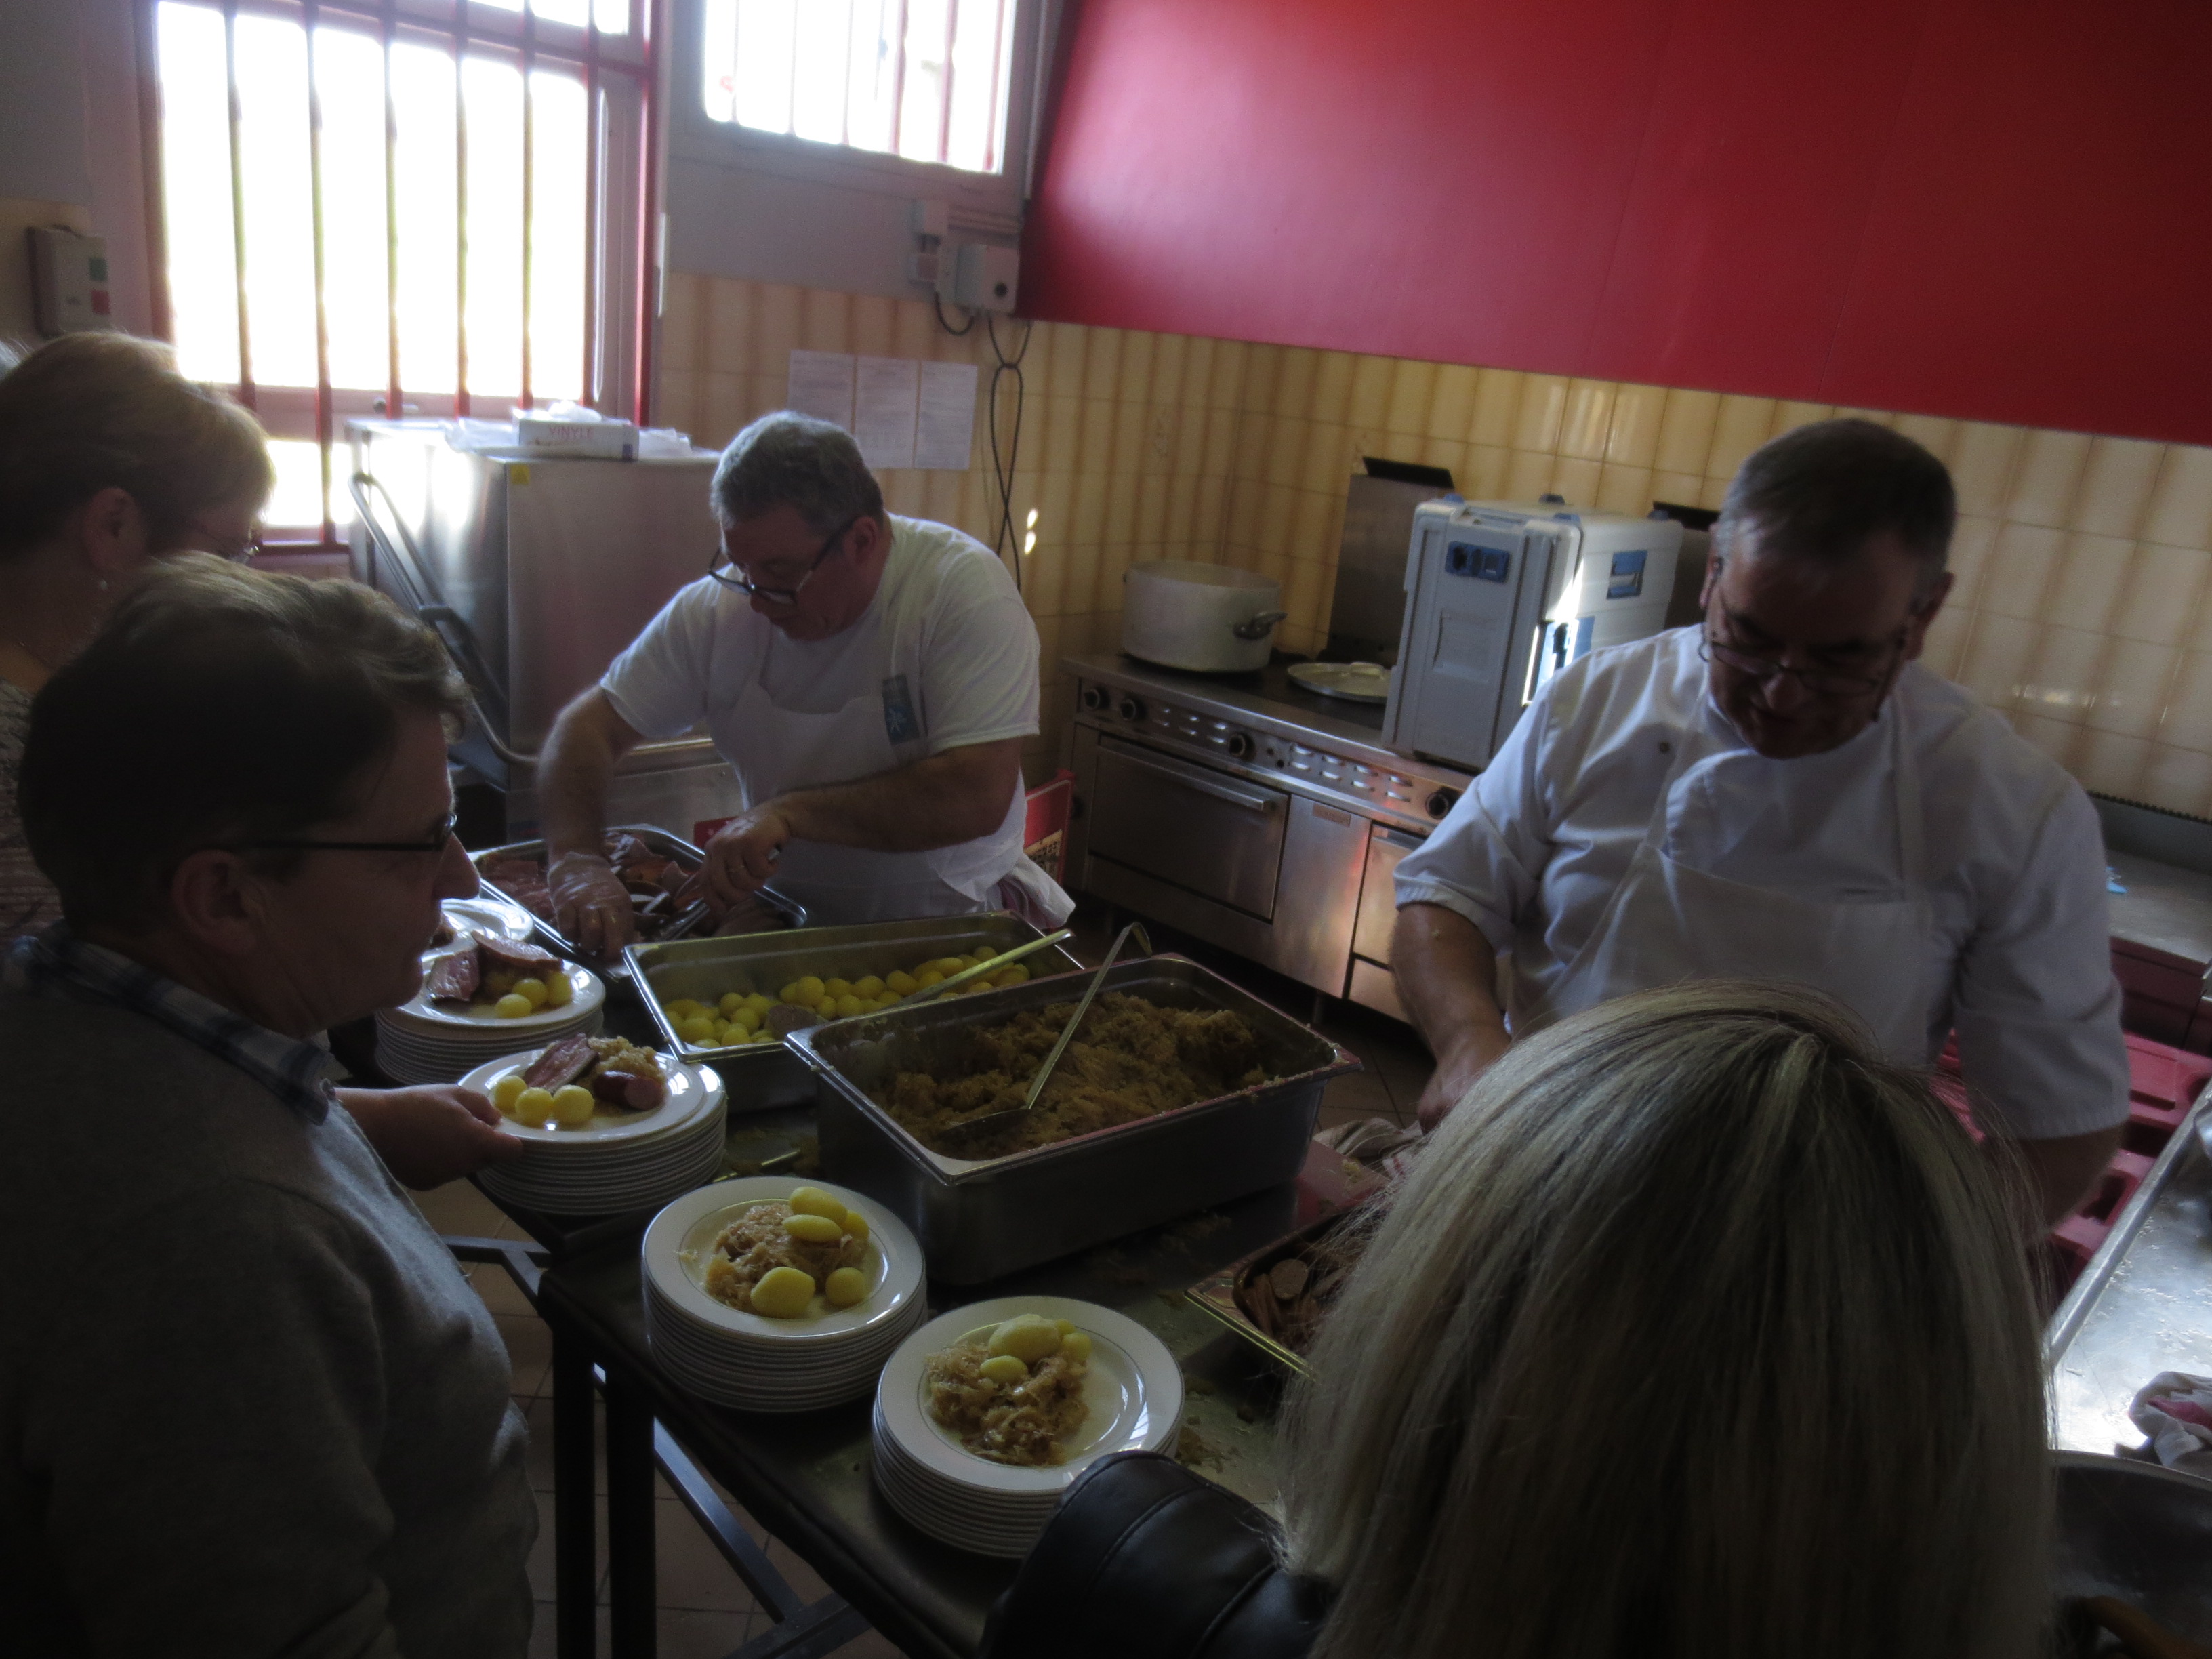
(1067, 1035)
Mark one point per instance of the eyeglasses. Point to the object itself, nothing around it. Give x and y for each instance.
(436, 844)
(780, 595)
(1820, 682)
(242, 549)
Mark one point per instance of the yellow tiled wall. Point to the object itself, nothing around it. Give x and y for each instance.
(2083, 561)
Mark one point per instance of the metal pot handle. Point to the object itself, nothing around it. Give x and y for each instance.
(1256, 626)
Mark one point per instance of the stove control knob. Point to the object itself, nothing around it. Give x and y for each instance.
(1440, 802)
(1129, 708)
(1094, 697)
(1240, 744)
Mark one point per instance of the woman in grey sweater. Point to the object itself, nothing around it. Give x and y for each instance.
(248, 1405)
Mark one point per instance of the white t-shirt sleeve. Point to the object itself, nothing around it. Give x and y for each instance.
(979, 664)
(659, 685)
(2038, 1010)
(1485, 860)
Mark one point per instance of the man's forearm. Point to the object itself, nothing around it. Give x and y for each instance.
(1447, 976)
(573, 768)
(942, 801)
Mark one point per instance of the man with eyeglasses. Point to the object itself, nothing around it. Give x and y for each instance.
(1783, 792)
(869, 677)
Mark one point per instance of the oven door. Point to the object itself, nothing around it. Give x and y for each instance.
(1202, 831)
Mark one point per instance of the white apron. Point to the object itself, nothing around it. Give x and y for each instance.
(776, 749)
(1667, 923)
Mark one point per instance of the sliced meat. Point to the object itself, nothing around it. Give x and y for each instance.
(624, 850)
(523, 880)
(510, 953)
(455, 976)
(673, 876)
(632, 1091)
(564, 1062)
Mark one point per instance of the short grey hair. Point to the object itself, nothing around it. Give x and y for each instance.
(1823, 491)
(1696, 1327)
(789, 459)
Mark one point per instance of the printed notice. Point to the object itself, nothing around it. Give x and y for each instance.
(946, 428)
(884, 394)
(822, 386)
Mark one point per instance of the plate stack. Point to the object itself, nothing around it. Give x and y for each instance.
(426, 1041)
(1134, 1391)
(613, 1164)
(754, 1364)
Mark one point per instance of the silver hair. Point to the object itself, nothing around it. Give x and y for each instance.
(789, 459)
(1697, 1329)
(1824, 490)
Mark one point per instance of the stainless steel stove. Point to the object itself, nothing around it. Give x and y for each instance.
(1251, 812)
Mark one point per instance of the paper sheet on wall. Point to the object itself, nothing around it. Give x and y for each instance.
(885, 392)
(946, 428)
(822, 386)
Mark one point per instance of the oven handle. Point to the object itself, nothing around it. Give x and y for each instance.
(1190, 777)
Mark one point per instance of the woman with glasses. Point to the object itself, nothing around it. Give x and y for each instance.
(1783, 792)
(870, 678)
(108, 458)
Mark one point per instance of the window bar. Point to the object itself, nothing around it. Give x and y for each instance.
(150, 144)
(996, 125)
(460, 210)
(329, 534)
(529, 180)
(394, 407)
(845, 109)
(237, 204)
(898, 81)
(791, 81)
(944, 82)
(591, 239)
(646, 308)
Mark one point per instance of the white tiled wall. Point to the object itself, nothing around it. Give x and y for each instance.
(2079, 609)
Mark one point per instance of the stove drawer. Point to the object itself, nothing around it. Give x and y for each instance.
(1379, 893)
(1204, 830)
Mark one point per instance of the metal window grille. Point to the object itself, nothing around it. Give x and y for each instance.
(922, 79)
(418, 207)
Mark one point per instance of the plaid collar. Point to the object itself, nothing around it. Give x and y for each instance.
(58, 963)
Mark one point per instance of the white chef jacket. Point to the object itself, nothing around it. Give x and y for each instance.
(945, 646)
(2019, 955)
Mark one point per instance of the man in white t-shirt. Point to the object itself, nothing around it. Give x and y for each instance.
(870, 678)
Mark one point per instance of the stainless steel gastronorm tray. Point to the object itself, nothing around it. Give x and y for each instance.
(979, 1219)
(663, 841)
(768, 1074)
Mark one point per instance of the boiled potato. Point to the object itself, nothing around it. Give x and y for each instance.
(731, 1002)
(867, 986)
(698, 1029)
(760, 1002)
(927, 978)
(559, 992)
(814, 1229)
(1017, 975)
(836, 987)
(847, 1007)
(764, 1034)
(742, 1017)
(783, 1292)
(1076, 1345)
(1028, 1337)
(856, 1226)
(512, 1006)
(811, 990)
(507, 1091)
(1004, 1370)
(902, 982)
(732, 1036)
(573, 1103)
(889, 999)
(845, 1287)
(812, 1200)
(684, 1007)
(534, 1105)
(532, 991)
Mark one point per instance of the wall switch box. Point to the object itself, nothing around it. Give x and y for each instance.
(979, 276)
(69, 291)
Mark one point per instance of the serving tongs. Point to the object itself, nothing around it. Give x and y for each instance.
(984, 969)
(1067, 1035)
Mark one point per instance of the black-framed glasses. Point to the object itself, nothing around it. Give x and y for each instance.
(437, 844)
(1819, 682)
(780, 595)
(242, 549)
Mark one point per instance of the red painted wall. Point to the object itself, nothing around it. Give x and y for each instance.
(1992, 209)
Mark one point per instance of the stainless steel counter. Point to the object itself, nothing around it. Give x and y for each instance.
(2143, 1304)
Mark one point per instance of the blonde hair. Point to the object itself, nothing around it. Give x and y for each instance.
(88, 412)
(1697, 1330)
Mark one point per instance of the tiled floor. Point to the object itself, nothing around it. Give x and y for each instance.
(705, 1611)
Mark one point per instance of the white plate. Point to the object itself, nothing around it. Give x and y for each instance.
(497, 917)
(1134, 1390)
(586, 994)
(691, 1089)
(676, 1246)
(1354, 682)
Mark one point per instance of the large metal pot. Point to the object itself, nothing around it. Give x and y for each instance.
(1210, 618)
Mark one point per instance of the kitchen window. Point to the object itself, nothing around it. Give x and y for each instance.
(430, 207)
